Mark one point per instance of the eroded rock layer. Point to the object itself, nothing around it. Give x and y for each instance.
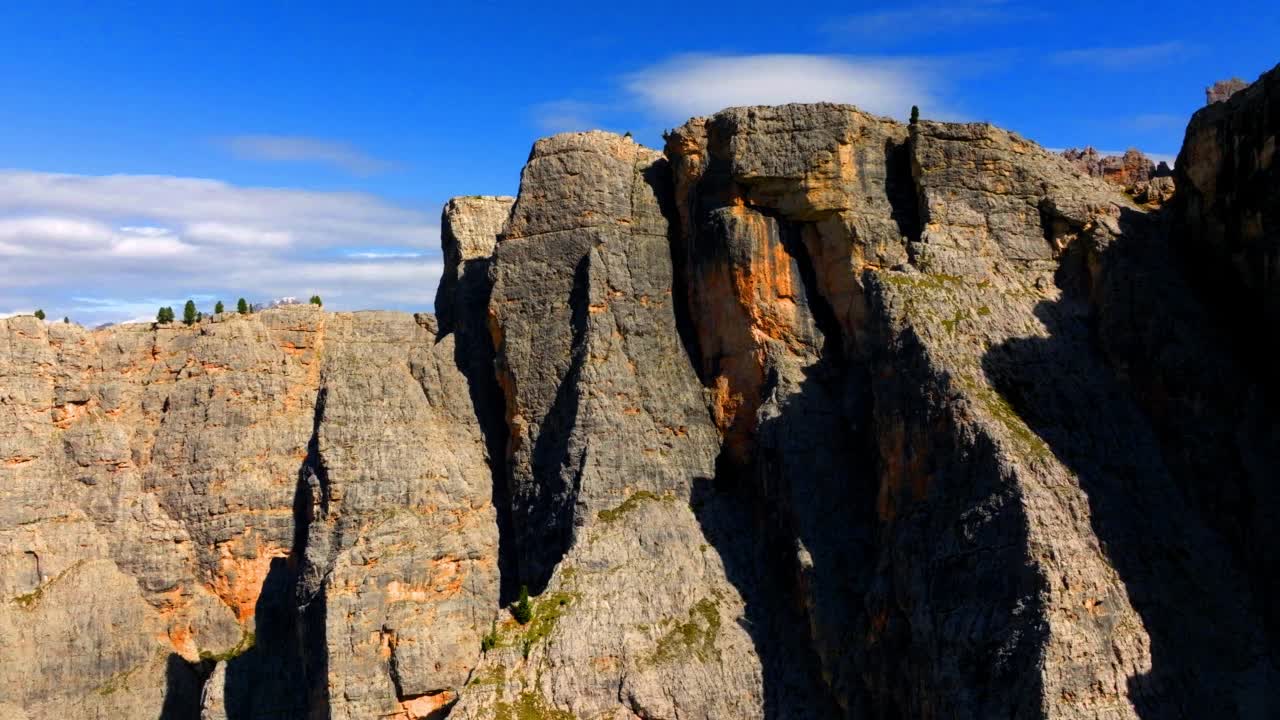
(814, 414)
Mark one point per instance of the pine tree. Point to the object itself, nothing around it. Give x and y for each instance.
(523, 611)
(218, 308)
(189, 313)
(39, 314)
(66, 320)
(915, 114)
(165, 315)
(242, 307)
(315, 300)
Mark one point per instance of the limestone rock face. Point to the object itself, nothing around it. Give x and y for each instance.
(160, 467)
(610, 439)
(401, 547)
(812, 415)
(989, 491)
(469, 232)
(601, 401)
(154, 513)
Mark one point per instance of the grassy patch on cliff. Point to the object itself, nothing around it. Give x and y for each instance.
(545, 611)
(247, 641)
(530, 706)
(931, 281)
(497, 676)
(631, 503)
(1027, 441)
(117, 682)
(695, 637)
(27, 601)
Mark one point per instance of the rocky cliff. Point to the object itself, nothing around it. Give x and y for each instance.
(812, 414)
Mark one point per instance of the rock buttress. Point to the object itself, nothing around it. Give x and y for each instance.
(611, 439)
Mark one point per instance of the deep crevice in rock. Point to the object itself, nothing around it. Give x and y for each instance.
(184, 687)
(901, 190)
(658, 176)
(466, 318)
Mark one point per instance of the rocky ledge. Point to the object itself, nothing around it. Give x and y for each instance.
(811, 414)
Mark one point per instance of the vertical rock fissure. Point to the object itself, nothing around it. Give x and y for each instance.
(474, 355)
(902, 191)
(309, 621)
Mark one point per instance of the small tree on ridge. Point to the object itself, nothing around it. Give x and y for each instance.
(523, 611)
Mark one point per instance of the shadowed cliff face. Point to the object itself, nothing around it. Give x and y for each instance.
(813, 415)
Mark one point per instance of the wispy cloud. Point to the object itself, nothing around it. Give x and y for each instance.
(1136, 58)
(106, 248)
(382, 254)
(568, 115)
(297, 149)
(929, 19)
(689, 85)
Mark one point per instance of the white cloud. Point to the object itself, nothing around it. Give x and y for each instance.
(382, 255)
(292, 148)
(690, 85)
(146, 230)
(1137, 58)
(111, 248)
(216, 233)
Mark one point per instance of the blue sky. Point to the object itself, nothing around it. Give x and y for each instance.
(155, 151)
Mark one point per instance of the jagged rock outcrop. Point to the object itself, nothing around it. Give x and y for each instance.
(1141, 178)
(814, 414)
(1124, 170)
(1222, 90)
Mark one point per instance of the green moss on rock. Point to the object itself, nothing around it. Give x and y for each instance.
(247, 641)
(530, 706)
(628, 505)
(695, 637)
